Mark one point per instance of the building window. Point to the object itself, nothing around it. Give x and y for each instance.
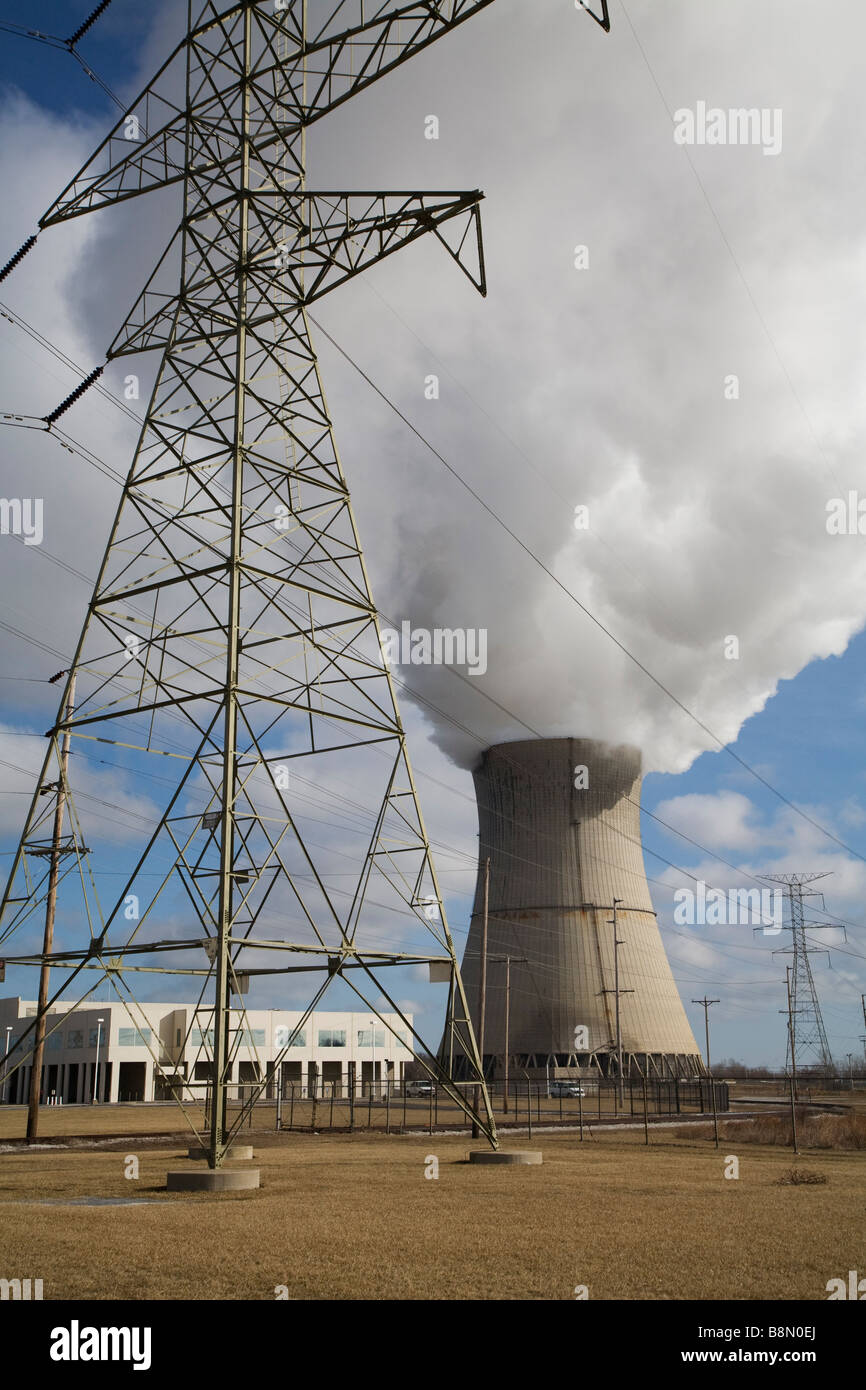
(282, 1034)
(365, 1037)
(177, 1038)
(197, 1037)
(332, 1037)
(54, 1042)
(252, 1037)
(75, 1037)
(133, 1037)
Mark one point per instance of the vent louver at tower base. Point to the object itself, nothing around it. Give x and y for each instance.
(559, 822)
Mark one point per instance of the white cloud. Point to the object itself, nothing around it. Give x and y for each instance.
(724, 819)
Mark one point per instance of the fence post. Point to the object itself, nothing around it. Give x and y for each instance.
(292, 1108)
(431, 1107)
(403, 1088)
(436, 1104)
(279, 1106)
(529, 1105)
(645, 1117)
(793, 1117)
(388, 1106)
(331, 1114)
(370, 1105)
(315, 1099)
(580, 1109)
(351, 1079)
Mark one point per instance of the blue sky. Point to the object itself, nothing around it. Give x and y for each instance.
(808, 739)
(50, 76)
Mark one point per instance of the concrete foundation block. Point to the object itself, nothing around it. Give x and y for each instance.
(212, 1179)
(510, 1157)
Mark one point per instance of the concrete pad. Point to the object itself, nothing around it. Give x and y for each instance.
(510, 1156)
(243, 1151)
(212, 1179)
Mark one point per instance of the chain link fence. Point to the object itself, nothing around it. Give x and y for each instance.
(421, 1107)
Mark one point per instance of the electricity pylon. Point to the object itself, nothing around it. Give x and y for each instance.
(232, 633)
(806, 1035)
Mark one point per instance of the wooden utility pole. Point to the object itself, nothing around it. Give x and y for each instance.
(507, 1022)
(706, 1007)
(616, 991)
(793, 1076)
(50, 912)
(616, 943)
(520, 960)
(507, 962)
(482, 978)
(482, 985)
(645, 1115)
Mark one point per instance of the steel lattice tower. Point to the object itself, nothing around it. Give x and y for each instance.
(232, 639)
(806, 1037)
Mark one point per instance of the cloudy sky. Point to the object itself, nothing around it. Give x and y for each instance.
(693, 378)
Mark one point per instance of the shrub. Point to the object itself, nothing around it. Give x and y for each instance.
(795, 1177)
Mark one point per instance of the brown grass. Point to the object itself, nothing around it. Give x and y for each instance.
(814, 1130)
(55, 1120)
(355, 1218)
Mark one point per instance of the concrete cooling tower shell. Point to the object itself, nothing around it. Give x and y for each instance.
(559, 821)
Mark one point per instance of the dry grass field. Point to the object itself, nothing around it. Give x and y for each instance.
(815, 1130)
(72, 1120)
(345, 1217)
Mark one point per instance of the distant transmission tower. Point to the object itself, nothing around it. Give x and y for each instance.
(231, 650)
(807, 1038)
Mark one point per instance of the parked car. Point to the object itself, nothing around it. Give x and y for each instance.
(569, 1089)
(419, 1088)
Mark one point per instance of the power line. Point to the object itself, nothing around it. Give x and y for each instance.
(725, 748)
(491, 511)
(93, 459)
(69, 45)
(478, 738)
(481, 741)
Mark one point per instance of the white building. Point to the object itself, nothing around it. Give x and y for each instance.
(151, 1051)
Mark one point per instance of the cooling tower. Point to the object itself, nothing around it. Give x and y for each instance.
(559, 821)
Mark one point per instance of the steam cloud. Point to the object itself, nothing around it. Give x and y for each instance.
(602, 387)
